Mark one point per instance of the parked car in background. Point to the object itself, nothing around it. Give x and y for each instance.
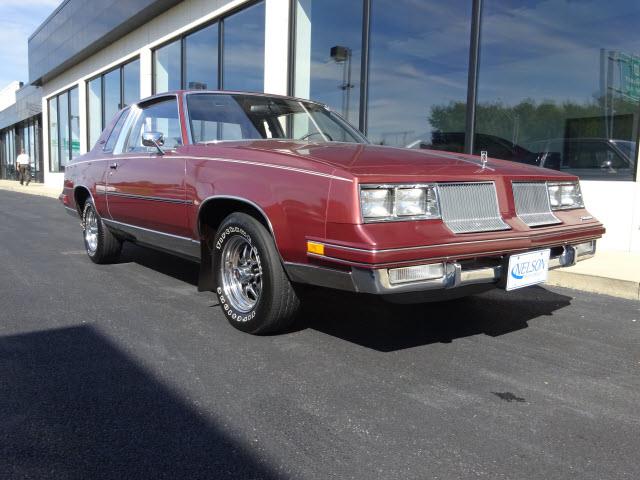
(268, 193)
(587, 157)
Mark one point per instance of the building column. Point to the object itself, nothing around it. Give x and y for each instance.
(146, 72)
(276, 47)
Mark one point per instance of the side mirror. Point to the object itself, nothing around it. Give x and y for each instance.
(153, 139)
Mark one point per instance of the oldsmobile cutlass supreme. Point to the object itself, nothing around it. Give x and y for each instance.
(268, 193)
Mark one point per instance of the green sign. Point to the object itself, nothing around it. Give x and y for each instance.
(630, 75)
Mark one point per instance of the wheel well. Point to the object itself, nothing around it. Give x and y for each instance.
(214, 211)
(80, 195)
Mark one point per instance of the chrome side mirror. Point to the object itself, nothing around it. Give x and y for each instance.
(153, 139)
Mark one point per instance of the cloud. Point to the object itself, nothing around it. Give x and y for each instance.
(18, 20)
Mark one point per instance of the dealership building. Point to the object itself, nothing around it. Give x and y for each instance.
(548, 82)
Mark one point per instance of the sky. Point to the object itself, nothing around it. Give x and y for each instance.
(18, 20)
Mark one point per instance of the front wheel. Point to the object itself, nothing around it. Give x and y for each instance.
(253, 288)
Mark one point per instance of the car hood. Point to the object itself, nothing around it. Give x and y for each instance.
(374, 160)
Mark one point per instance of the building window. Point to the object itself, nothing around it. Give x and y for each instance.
(243, 56)
(199, 60)
(560, 87)
(109, 93)
(418, 68)
(64, 129)
(167, 67)
(8, 154)
(328, 52)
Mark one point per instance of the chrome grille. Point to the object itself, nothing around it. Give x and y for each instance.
(532, 203)
(470, 207)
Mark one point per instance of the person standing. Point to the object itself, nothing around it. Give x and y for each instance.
(24, 168)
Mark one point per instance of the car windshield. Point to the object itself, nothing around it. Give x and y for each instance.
(217, 117)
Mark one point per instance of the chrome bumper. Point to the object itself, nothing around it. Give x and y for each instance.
(376, 281)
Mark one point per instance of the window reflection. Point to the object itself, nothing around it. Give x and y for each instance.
(74, 122)
(201, 59)
(328, 54)
(167, 68)
(112, 95)
(560, 85)
(243, 64)
(131, 82)
(54, 158)
(94, 103)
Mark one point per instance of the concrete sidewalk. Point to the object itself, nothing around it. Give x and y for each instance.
(32, 189)
(609, 273)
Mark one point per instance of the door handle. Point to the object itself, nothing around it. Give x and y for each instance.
(113, 166)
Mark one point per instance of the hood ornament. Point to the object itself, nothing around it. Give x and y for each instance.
(483, 158)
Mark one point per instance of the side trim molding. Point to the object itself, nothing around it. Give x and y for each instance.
(182, 246)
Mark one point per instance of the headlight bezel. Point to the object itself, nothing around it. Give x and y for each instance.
(565, 183)
(394, 216)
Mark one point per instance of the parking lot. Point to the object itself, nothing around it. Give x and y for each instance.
(126, 371)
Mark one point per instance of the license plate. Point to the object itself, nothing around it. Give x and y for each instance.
(527, 269)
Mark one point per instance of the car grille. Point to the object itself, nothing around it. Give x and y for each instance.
(470, 207)
(532, 204)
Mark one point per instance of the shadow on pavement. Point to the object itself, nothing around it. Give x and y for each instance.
(165, 263)
(373, 323)
(72, 405)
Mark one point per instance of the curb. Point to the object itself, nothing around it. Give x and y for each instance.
(614, 287)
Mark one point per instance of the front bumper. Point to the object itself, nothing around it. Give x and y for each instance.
(455, 274)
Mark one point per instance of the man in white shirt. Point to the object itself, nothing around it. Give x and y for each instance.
(24, 168)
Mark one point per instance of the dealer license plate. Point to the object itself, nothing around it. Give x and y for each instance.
(527, 269)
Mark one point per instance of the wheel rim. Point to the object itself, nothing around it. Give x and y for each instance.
(241, 274)
(91, 231)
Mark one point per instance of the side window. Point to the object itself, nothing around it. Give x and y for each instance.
(115, 133)
(160, 117)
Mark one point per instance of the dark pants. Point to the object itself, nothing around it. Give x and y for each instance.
(24, 174)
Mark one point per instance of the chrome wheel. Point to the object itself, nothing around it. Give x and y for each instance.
(91, 231)
(241, 274)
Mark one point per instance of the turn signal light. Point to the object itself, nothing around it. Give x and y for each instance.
(314, 247)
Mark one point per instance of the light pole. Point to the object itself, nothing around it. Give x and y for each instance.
(342, 55)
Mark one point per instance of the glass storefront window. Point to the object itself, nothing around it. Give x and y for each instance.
(74, 122)
(112, 95)
(559, 85)
(201, 59)
(94, 110)
(167, 67)
(64, 129)
(418, 68)
(243, 59)
(328, 52)
(54, 150)
(131, 82)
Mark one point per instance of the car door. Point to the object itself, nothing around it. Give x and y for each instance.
(145, 187)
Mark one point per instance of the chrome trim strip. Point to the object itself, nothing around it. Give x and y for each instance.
(71, 211)
(230, 160)
(147, 197)
(153, 238)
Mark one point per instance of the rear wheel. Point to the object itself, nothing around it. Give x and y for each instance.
(101, 245)
(254, 291)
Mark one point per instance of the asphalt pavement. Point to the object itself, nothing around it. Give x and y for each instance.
(126, 371)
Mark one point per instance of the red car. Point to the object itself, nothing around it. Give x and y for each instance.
(269, 192)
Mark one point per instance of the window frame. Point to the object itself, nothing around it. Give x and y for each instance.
(100, 76)
(56, 98)
(181, 38)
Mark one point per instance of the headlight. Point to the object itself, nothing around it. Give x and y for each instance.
(398, 202)
(565, 195)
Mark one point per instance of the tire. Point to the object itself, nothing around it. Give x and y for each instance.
(100, 244)
(252, 286)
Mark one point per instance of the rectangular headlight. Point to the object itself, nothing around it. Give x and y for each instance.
(398, 202)
(565, 195)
